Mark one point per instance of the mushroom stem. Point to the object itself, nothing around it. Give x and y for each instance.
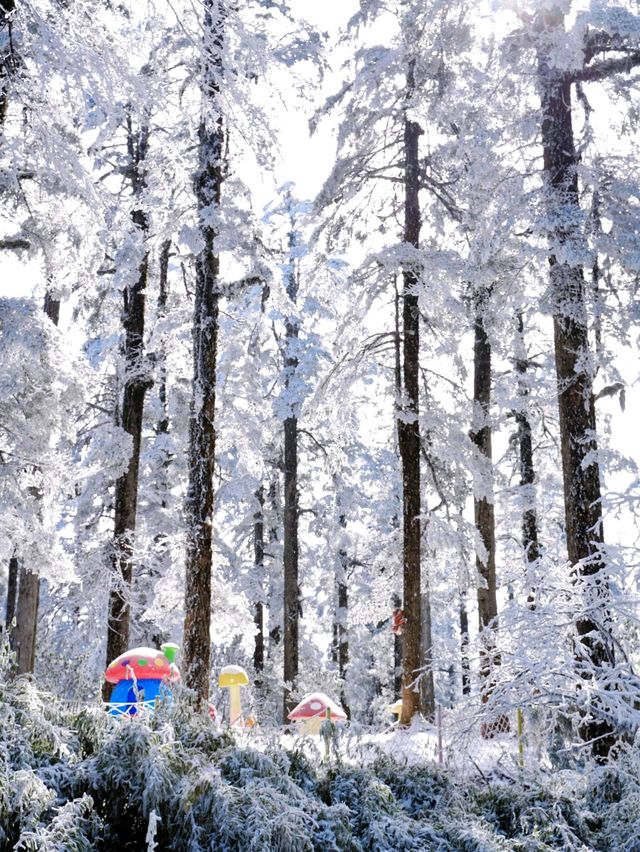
(235, 707)
(327, 736)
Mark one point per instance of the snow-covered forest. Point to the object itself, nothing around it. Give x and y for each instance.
(319, 358)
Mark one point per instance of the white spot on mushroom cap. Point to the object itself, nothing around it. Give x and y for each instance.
(313, 704)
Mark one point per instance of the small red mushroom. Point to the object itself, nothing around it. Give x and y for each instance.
(313, 710)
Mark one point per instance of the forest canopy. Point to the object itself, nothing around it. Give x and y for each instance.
(319, 358)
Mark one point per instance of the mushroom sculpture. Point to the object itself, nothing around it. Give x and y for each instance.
(233, 678)
(139, 677)
(313, 710)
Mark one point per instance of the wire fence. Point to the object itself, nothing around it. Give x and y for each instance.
(520, 739)
(467, 741)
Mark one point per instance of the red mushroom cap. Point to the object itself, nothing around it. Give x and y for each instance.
(143, 664)
(316, 704)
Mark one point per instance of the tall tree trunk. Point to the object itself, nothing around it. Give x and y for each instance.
(26, 582)
(258, 562)
(408, 422)
(147, 576)
(342, 631)
(202, 436)
(291, 508)
(8, 59)
(23, 638)
(530, 542)
(275, 619)
(23, 594)
(12, 591)
(594, 649)
(396, 601)
(427, 683)
(163, 423)
(136, 383)
(483, 503)
(162, 427)
(464, 644)
(340, 648)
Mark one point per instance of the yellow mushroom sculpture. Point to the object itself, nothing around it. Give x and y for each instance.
(233, 678)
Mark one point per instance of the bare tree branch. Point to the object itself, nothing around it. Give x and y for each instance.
(15, 244)
(606, 68)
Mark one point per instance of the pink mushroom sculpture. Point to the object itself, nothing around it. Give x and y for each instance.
(313, 710)
(139, 677)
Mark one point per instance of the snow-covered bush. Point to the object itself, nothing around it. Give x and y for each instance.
(77, 779)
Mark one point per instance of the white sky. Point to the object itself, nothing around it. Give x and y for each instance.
(306, 160)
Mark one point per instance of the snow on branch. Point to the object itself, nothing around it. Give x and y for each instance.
(599, 71)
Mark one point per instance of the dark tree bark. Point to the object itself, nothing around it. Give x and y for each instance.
(581, 474)
(291, 507)
(136, 383)
(396, 601)
(408, 423)
(12, 591)
(427, 683)
(530, 542)
(340, 645)
(275, 623)
(52, 307)
(258, 562)
(23, 637)
(202, 435)
(8, 59)
(163, 423)
(162, 427)
(483, 509)
(341, 631)
(464, 645)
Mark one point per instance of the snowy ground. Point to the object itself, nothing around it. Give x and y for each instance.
(466, 753)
